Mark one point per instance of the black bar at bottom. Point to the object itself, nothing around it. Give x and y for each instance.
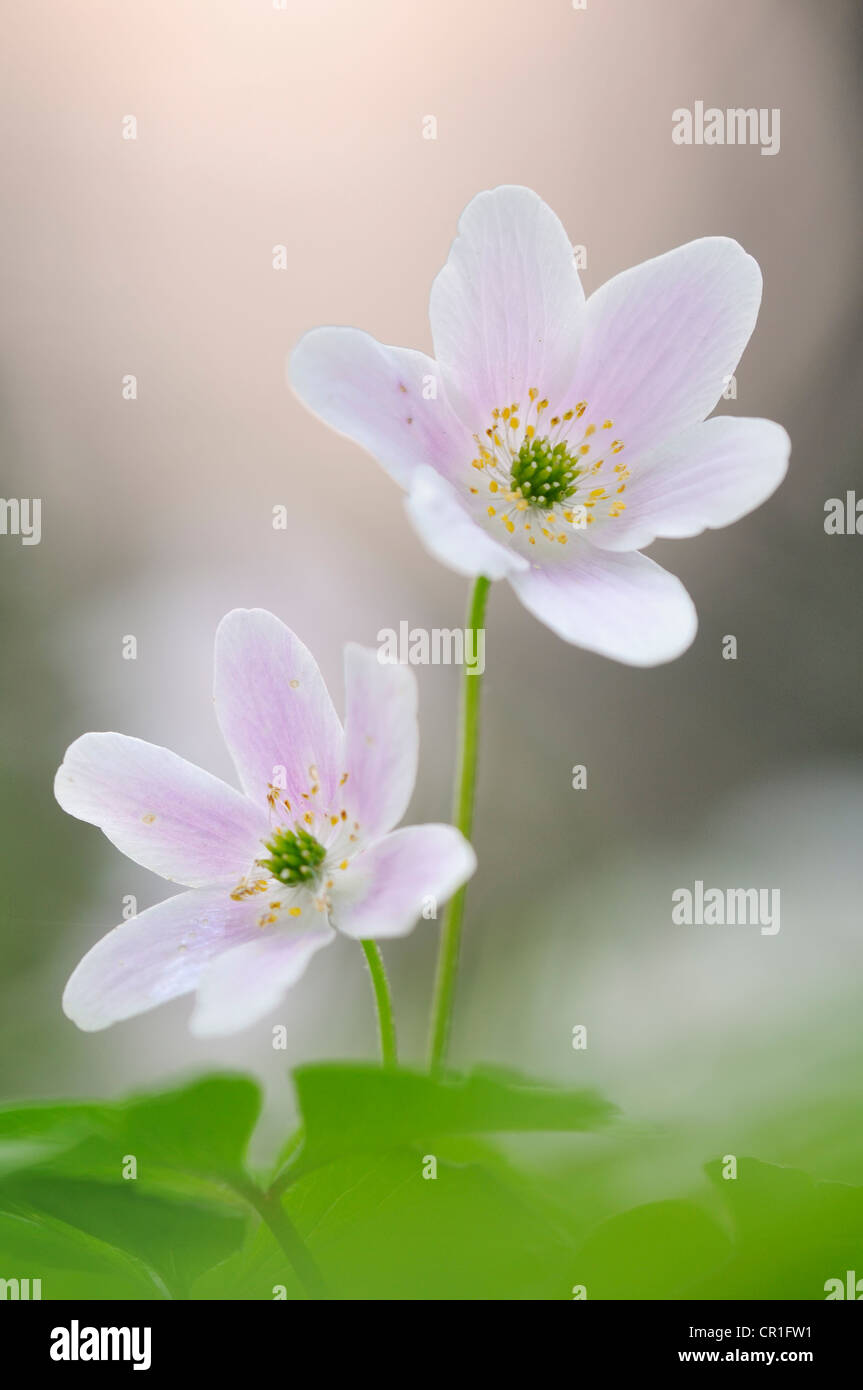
(83, 1338)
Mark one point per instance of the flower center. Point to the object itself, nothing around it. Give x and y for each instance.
(544, 473)
(295, 856)
(550, 475)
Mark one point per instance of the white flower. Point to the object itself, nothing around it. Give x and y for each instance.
(552, 437)
(308, 846)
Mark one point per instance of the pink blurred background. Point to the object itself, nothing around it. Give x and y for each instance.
(303, 127)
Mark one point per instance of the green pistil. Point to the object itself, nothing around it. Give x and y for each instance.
(544, 473)
(295, 856)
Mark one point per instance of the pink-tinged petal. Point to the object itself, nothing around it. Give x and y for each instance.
(381, 741)
(247, 983)
(449, 535)
(405, 875)
(710, 475)
(275, 711)
(621, 605)
(507, 310)
(389, 400)
(161, 811)
(662, 338)
(156, 956)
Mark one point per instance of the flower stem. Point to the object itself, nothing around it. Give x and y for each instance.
(383, 999)
(450, 941)
(271, 1211)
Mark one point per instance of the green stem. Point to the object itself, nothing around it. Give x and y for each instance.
(450, 941)
(383, 999)
(270, 1209)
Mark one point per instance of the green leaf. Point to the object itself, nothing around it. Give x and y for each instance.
(356, 1108)
(174, 1237)
(202, 1128)
(67, 1171)
(379, 1229)
(69, 1262)
(791, 1232)
(654, 1251)
(32, 1133)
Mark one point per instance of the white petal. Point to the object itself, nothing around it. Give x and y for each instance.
(621, 605)
(381, 397)
(274, 709)
(710, 475)
(507, 310)
(160, 810)
(662, 338)
(156, 956)
(387, 887)
(247, 983)
(449, 534)
(381, 741)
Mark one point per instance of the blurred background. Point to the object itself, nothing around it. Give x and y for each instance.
(260, 126)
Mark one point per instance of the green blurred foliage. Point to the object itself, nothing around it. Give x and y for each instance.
(399, 1187)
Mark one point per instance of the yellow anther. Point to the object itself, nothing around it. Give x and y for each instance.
(514, 422)
(529, 432)
(597, 492)
(478, 463)
(474, 490)
(585, 449)
(344, 864)
(533, 393)
(563, 539)
(295, 911)
(581, 408)
(510, 526)
(608, 424)
(555, 419)
(616, 446)
(591, 429)
(506, 412)
(568, 415)
(492, 511)
(493, 486)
